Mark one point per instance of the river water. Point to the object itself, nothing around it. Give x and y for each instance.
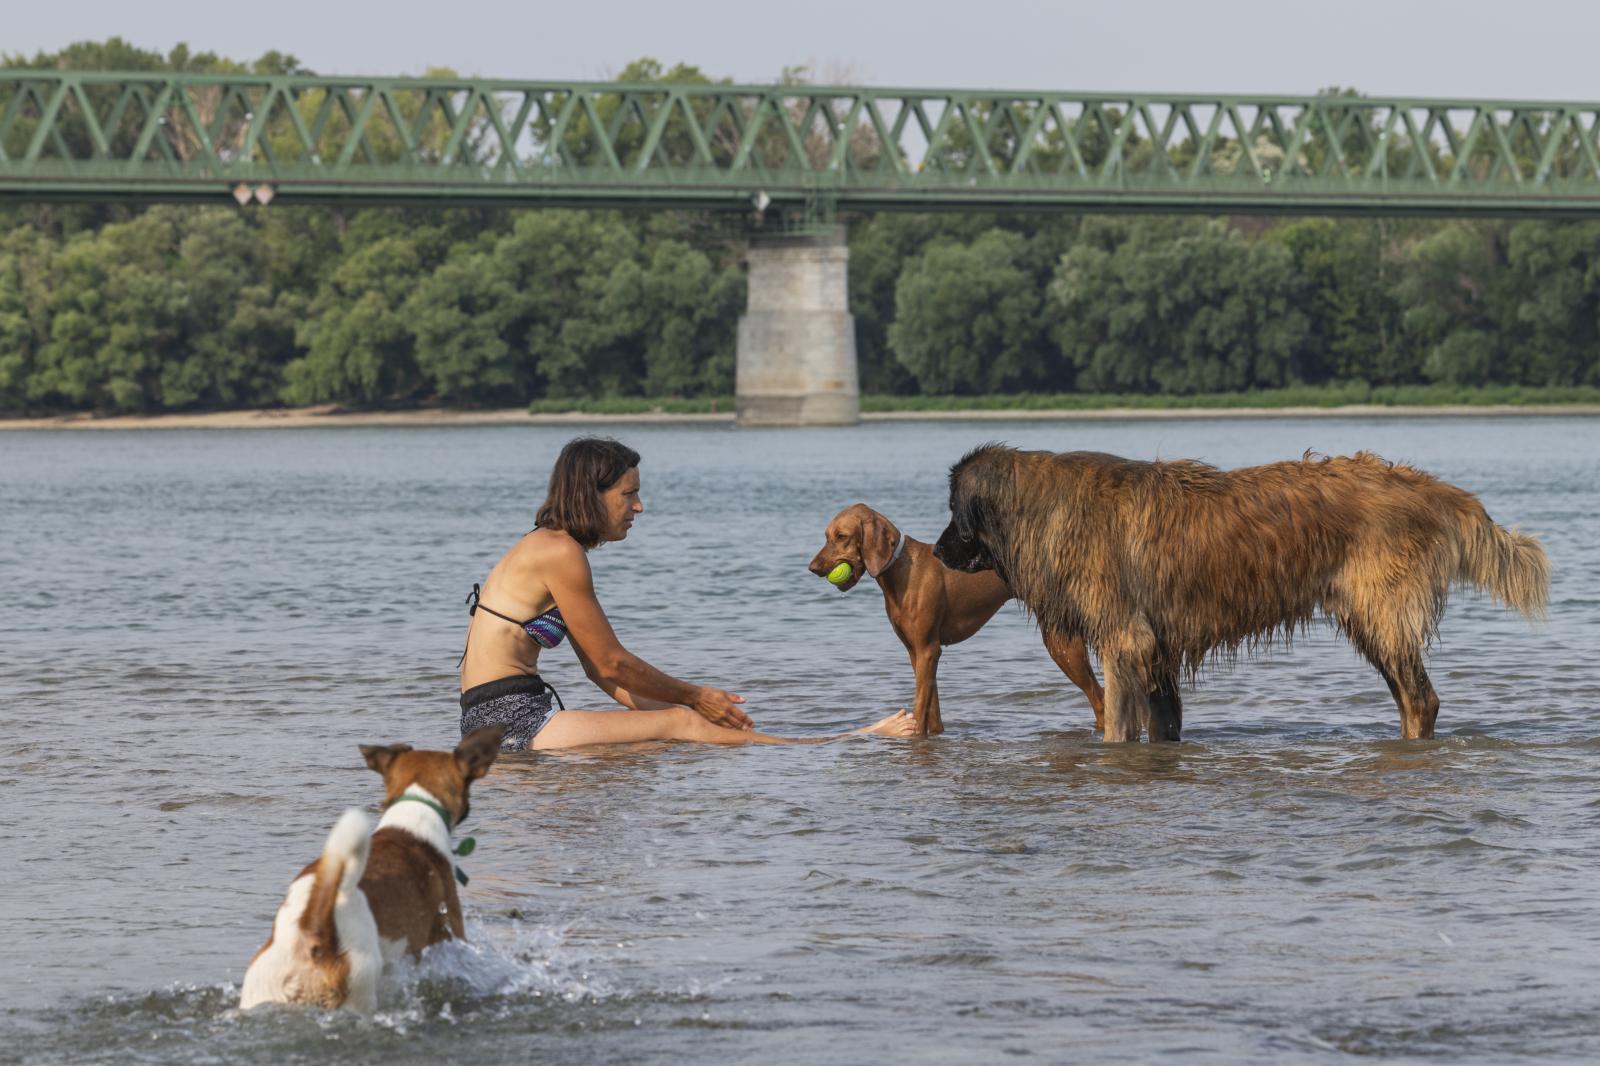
(198, 627)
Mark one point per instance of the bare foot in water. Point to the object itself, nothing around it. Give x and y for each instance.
(901, 723)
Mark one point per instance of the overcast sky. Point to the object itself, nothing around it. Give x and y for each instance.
(1529, 49)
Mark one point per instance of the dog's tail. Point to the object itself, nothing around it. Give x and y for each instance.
(1511, 566)
(339, 870)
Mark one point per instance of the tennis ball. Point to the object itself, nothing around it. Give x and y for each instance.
(839, 574)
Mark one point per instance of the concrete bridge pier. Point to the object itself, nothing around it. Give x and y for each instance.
(796, 357)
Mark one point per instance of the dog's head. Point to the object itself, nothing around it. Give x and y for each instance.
(860, 536)
(976, 482)
(447, 775)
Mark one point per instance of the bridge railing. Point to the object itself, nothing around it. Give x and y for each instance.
(94, 135)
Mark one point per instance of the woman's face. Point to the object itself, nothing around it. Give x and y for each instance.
(621, 502)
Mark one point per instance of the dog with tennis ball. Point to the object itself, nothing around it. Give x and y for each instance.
(928, 604)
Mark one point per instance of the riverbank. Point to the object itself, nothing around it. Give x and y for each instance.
(328, 416)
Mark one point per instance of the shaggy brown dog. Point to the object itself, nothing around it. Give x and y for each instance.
(931, 606)
(1162, 565)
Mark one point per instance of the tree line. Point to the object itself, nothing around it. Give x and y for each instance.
(120, 309)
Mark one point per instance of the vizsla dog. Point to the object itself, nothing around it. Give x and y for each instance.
(930, 605)
(373, 896)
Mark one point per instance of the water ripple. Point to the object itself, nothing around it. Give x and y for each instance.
(199, 629)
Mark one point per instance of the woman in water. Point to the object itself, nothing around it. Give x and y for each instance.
(542, 591)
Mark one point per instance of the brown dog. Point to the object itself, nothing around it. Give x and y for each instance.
(930, 605)
(1161, 566)
(373, 896)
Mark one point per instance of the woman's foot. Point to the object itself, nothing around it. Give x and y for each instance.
(901, 723)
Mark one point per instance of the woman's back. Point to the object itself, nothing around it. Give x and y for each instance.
(512, 620)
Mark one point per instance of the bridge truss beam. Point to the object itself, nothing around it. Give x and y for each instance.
(806, 151)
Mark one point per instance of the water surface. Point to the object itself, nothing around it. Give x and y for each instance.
(198, 628)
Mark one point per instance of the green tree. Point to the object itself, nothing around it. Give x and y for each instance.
(1354, 318)
(460, 316)
(880, 246)
(680, 310)
(1554, 271)
(1178, 306)
(1457, 304)
(967, 317)
(117, 315)
(561, 263)
(25, 282)
(358, 339)
(237, 334)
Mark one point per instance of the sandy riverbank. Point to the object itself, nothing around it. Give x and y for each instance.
(328, 416)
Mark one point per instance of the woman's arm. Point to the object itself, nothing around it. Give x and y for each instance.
(631, 700)
(614, 668)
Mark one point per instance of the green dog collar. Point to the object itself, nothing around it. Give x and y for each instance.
(438, 808)
(467, 845)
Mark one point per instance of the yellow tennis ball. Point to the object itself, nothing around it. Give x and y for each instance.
(840, 574)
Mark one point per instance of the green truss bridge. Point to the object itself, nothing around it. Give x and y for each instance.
(803, 152)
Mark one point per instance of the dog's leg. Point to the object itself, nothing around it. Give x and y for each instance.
(1413, 694)
(1127, 699)
(454, 924)
(1132, 664)
(1072, 656)
(1166, 710)
(925, 662)
(1404, 674)
(1127, 659)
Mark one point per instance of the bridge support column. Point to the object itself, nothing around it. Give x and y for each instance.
(796, 362)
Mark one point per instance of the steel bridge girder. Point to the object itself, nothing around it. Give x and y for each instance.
(143, 136)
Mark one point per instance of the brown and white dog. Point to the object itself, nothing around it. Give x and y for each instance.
(929, 605)
(373, 896)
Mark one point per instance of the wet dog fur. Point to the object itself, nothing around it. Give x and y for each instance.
(1161, 566)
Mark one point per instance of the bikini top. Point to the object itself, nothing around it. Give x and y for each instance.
(547, 630)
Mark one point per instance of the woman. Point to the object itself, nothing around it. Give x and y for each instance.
(541, 591)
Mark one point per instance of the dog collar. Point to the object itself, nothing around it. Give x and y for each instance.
(894, 557)
(438, 808)
(468, 844)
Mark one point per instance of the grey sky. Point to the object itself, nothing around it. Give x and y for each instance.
(1531, 49)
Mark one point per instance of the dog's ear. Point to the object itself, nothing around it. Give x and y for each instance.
(381, 758)
(973, 481)
(477, 750)
(877, 542)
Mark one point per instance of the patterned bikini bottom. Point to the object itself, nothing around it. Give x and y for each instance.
(523, 703)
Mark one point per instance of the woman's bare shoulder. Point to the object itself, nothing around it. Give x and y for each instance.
(546, 548)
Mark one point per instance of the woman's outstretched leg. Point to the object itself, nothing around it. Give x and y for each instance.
(572, 729)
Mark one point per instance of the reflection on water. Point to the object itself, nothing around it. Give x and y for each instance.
(199, 627)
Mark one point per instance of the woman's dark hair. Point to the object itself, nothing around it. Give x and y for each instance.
(586, 467)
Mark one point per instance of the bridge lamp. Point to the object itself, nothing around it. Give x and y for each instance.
(263, 194)
(760, 200)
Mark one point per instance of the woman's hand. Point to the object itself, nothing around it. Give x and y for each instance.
(720, 707)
